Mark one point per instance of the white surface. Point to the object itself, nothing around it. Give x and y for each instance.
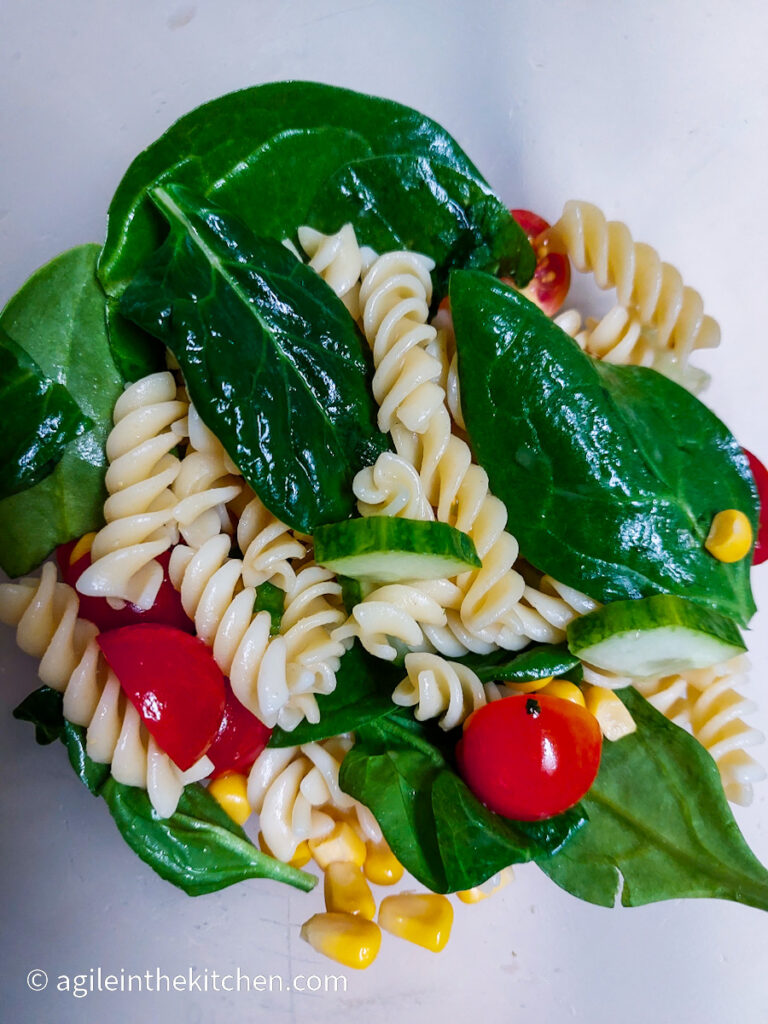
(654, 110)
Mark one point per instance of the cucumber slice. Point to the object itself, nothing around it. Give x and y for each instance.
(652, 636)
(386, 549)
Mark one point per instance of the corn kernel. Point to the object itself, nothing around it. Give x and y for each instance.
(82, 547)
(231, 792)
(530, 687)
(422, 918)
(565, 690)
(381, 865)
(349, 940)
(302, 854)
(488, 888)
(730, 536)
(342, 843)
(613, 718)
(346, 890)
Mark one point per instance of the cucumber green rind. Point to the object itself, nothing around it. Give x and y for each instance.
(388, 549)
(628, 636)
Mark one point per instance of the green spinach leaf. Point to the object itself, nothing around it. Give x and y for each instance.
(412, 202)
(40, 418)
(58, 319)
(537, 662)
(363, 693)
(270, 598)
(91, 773)
(611, 474)
(271, 358)
(438, 830)
(659, 825)
(236, 147)
(199, 848)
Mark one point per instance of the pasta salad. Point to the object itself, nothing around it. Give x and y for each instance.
(367, 552)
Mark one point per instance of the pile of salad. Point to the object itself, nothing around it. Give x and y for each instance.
(361, 543)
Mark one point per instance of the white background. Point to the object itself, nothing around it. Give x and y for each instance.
(654, 110)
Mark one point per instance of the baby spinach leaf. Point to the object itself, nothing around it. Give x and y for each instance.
(40, 418)
(659, 825)
(272, 360)
(57, 318)
(199, 848)
(611, 474)
(438, 830)
(217, 142)
(363, 692)
(412, 202)
(537, 662)
(92, 774)
(270, 598)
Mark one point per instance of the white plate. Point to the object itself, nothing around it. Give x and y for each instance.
(656, 112)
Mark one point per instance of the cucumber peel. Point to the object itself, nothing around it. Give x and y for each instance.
(387, 549)
(658, 635)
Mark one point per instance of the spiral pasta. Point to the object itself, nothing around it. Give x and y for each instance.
(139, 512)
(670, 313)
(206, 482)
(438, 688)
(44, 613)
(269, 547)
(276, 678)
(296, 793)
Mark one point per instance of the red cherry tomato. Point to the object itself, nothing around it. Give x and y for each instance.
(552, 278)
(760, 473)
(530, 757)
(166, 609)
(174, 684)
(240, 739)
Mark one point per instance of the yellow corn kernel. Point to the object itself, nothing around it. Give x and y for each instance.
(613, 718)
(231, 791)
(730, 536)
(422, 918)
(381, 865)
(347, 939)
(82, 547)
(342, 843)
(565, 690)
(534, 684)
(301, 856)
(346, 890)
(488, 888)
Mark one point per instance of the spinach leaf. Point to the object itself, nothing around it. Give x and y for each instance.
(659, 823)
(57, 318)
(270, 598)
(231, 139)
(40, 419)
(412, 202)
(438, 830)
(272, 359)
(537, 662)
(199, 848)
(611, 474)
(363, 692)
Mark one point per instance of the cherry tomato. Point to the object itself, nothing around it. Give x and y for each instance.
(760, 473)
(240, 739)
(174, 684)
(552, 278)
(166, 609)
(530, 757)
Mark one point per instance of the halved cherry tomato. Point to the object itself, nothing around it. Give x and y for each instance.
(174, 684)
(240, 739)
(552, 278)
(760, 473)
(166, 609)
(530, 757)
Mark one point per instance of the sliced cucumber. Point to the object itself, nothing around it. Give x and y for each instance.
(386, 549)
(653, 636)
